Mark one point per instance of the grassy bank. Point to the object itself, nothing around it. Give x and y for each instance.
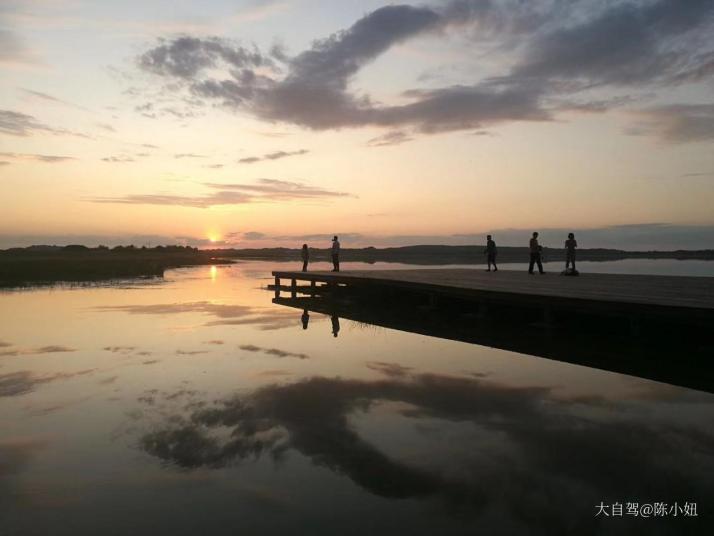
(37, 266)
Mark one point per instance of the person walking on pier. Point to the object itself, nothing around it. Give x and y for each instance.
(335, 254)
(535, 249)
(305, 257)
(570, 245)
(491, 253)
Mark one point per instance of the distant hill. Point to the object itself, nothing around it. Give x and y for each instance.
(438, 254)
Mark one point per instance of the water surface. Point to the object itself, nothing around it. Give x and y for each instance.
(195, 404)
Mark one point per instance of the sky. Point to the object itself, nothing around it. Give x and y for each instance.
(258, 124)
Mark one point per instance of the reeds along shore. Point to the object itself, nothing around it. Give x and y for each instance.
(33, 266)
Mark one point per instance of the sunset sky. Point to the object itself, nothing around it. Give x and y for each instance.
(251, 124)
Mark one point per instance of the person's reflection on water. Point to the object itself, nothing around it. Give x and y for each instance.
(335, 325)
(305, 318)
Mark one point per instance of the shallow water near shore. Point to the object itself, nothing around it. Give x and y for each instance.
(194, 404)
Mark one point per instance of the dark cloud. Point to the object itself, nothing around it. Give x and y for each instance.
(232, 194)
(50, 159)
(184, 57)
(627, 43)
(3, 163)
(530, 456)
(271, 156)
(557, 49)
(677, 123)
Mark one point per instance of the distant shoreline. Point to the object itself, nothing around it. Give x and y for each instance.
(40, 265)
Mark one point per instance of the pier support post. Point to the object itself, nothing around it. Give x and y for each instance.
(293, 288)
(548, 320)
(277, 286)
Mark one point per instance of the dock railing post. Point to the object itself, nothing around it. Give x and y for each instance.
(293, 288)
(277, 286)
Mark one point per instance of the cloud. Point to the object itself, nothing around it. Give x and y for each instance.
(551, 50)
(189, 155)
(677, 123)
(508, 462)
(51, 349)
(23, 382)
(49, 98)
(393, 137)
(120, 159)
(225, 314)
(185, 56)
(50, 159)
(625, 44)
(272, 351)
(254, 235)
(272, 156)
(231, 194)
(393, 370)
(20, 124)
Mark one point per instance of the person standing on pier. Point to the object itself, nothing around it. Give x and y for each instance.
(570, 245)
(535, 249)
(305, 257)
(335, 254)
(491, 253)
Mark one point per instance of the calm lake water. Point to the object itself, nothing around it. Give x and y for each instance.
(193, 405)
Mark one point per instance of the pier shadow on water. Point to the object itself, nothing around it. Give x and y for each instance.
(677, 353)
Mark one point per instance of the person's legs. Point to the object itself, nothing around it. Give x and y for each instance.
(304, 266)
(530, 264)
(540, 264)
(334, 262)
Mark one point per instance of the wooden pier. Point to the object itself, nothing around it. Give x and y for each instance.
(654, 327)
(688, 298)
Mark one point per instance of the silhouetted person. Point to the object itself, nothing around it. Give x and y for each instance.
(491, 253)
(335, 256)
(335, 325)
(305, 257)
(570, 245)
(305, 318)
(535, 249)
